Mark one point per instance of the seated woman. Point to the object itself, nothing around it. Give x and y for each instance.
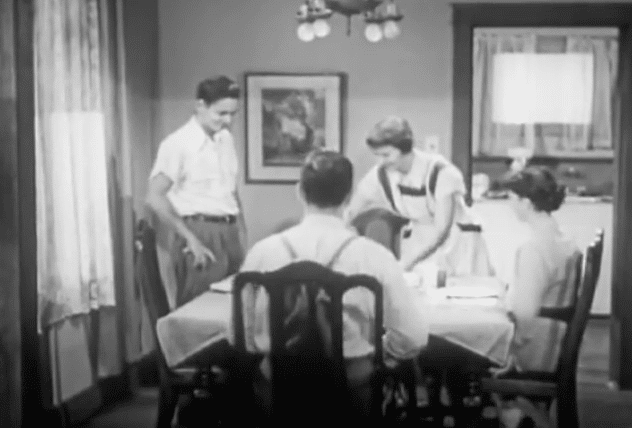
(544, 274)
(544, 269)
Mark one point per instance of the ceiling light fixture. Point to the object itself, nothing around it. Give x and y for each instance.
(381, 18)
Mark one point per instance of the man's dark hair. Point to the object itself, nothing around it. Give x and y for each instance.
(392, 131)
(216, 88)
(326, 178)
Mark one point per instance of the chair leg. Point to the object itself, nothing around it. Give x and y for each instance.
(553, 413)
(167, 401)
(567, 409)
(540, 417)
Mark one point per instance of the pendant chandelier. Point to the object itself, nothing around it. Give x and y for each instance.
(380, 17)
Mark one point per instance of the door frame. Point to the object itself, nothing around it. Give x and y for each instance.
(27, 237)
(467, 16)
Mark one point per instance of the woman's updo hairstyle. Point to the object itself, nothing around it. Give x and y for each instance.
(539, 185)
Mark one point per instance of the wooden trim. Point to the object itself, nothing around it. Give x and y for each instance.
(552, 31)
(561, 156)
(621, 343)
(31, 378)
(95, 400)
(466, 17)
(462, 77)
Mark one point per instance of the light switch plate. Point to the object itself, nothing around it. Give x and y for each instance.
(431, 143)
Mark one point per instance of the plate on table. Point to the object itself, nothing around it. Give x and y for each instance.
(470, 292)
(490, 282)
(223, 286)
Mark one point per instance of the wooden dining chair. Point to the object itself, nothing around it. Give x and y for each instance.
(558, 389)
(382, 226)
(172, 382)
(308, 370)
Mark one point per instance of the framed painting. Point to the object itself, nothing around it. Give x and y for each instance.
(287, 116)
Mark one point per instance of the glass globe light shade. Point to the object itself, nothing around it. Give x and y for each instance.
(373, 33)
(391, 29)
(305, 32)
(321, 28)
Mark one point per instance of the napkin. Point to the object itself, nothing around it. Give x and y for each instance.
(412, 279)
(223, 286)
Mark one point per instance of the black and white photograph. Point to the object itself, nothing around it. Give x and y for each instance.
(319, 213)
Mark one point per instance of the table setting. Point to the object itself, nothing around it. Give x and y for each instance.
(467, 311)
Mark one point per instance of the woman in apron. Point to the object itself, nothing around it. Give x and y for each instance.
(429, 191)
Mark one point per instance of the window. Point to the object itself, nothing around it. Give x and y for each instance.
(547, 90)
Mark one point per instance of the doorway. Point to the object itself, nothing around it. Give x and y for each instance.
(466, 19)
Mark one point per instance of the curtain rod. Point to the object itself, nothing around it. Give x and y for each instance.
(552, 31)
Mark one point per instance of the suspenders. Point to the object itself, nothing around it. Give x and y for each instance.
(334, 258)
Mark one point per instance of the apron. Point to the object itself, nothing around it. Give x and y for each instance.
(463, 253)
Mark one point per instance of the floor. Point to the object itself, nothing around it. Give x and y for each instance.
(599, 406)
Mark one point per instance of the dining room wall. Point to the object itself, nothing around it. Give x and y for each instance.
(410, 76)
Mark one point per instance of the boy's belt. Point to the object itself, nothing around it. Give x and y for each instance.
(229, 218)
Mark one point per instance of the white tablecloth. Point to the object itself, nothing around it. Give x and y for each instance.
(479, 325)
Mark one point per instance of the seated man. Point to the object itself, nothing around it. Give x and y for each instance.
(325, 187)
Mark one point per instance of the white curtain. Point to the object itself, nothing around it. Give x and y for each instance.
(488, 137)
(75, 245)
(495, 139)
(598, 133)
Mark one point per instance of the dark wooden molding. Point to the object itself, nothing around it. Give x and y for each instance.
(10, 342)
(468, 16)
(97, 399)
(622, 255)
(31, 379)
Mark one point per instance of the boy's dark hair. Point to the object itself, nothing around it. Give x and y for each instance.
(326, 178)
(216, 88)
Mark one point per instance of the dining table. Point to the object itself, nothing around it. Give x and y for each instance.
(467, 312)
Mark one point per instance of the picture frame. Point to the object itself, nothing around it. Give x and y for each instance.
(286, 116)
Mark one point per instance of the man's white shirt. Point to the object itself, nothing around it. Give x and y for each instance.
(203, 170)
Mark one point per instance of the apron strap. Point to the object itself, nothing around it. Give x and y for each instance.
(386, 186)
(431, 180)
(434, 174)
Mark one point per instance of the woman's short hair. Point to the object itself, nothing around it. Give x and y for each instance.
(217, 88)
(391, 131)
(326, 178)
(539, 185)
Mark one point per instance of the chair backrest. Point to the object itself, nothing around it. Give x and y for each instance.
(574, 278)
(598, 252)
(308, 372)
(567, 363)
(148, 274)
(381, 225)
